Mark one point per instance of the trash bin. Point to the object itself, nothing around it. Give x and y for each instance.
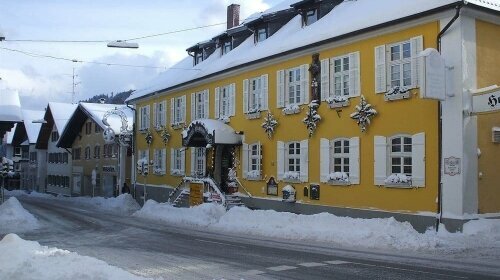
(288, 193)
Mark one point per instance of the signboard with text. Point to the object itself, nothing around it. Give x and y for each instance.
(486, 101)
(452, 166)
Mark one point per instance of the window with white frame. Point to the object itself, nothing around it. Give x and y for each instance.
(160, 114)
(340, 78)
(293, 87)
(200, 105)
(97, 151)
(198, 162)
(251, 161)
(177, 162)
(178, 110)
(144, 117)
(255, 94)
(227, 47)
(87, 152)
(400, 160)
(339, 161)
(397, 65)
(293, 161)
(225, 102)
(160, 161)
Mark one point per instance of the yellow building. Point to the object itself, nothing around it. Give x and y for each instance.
(319, 106)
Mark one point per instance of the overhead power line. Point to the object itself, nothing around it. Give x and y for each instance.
(105, 41)
(92, 62)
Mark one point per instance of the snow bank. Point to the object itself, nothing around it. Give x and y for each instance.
(21, 259)
(201, 215)
(14, 218)
(122, 204)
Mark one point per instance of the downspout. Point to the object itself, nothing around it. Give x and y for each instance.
(133, 165)
(440, 125)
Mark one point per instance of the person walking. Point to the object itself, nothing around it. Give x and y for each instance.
(125, 188)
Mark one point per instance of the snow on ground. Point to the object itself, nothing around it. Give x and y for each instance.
(14, 218)
(23, 259)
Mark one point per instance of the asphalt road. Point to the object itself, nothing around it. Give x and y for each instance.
(152, 249)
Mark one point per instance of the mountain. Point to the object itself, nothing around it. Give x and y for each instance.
(118, 98)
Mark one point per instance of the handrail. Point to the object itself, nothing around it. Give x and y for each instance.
(212, 183)
(245, 189)
(175, 190)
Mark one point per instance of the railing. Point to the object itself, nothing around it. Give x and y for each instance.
(171, 195)
(211, 182)
(245, 189)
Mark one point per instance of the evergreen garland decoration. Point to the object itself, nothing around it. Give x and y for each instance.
(364, 112)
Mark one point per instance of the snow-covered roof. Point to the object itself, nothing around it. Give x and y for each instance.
(10, 106)
(345, 18)
(32, 129)
(61, 112)
(220, 132)
(96, 111)
(10, 135)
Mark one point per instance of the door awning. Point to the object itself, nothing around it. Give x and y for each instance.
(203, 132)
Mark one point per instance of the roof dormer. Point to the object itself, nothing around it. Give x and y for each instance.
(266, 25)
(201, 51)
(313, 10)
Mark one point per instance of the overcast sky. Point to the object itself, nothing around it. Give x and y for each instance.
(40, 80)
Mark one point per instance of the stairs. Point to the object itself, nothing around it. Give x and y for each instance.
(182, 200)
(233, 200)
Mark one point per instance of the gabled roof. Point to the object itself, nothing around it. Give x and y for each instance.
(346, 19)
(95, 112)
(33, 129)
(10, 110)
(56, 114)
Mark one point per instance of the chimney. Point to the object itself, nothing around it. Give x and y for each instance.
(233, 15)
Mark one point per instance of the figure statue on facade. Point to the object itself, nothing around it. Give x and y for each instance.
(315, 73)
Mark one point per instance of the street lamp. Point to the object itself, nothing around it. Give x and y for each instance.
(123, 45)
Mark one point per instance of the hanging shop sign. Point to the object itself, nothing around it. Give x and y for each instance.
(452, 166)
(108, 169)
(486, 100)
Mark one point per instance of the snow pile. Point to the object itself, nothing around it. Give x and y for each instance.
(339, 177)
(398, 179)
(23, 259)
(24, 193)
(123, 203)
(201, 215)
(14, 218)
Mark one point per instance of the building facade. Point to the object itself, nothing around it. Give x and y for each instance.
(339, 117)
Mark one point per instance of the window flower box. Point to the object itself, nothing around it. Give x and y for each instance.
(398, 180)
(291, 109)
(252, 114)
(177, 125)
(338, 178)
(176, 172)
(291, 176)
(397, 93)
(337, 101)
(158, 171)
(224, 119)
(254, 175)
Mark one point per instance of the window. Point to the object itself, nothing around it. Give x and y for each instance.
(88, 128)
(97, 128)
(87, 152)
(54, 136)
(251, 161)
(311, 17)
(198, 57)
(33, 157)
(261, 34)
(160, 114)
(400, 160)
(224, 102)
(144, 118)
(397, 65)
(339, 161)
(227, 47)
(293, 87)
(65, 157)
(159, 162)
(97, 151)
(77, 153)
(255, 94)
(177, 162)
(198, 162)
(199, 105)
(293, 161)
(340, 79)
(18, 151)
(178, 110)
(110, 150)
(341, 76)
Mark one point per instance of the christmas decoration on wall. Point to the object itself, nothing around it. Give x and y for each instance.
(148, 137)
(315, 73)
(364, 112)
(269, 124)
(312, 117)
(164, 134)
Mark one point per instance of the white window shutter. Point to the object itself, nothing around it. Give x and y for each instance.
(140, 118)
(304, 160)
(172, 110)
(246, 88)
(380, 165)
(164, 161)
(416, 45)
(259, 164)
(354, 160)
(354, 74)
(244, 163)
(193, 154)
(264, 92)
(193, 106)
(280, 159)
(148, 122)
(183, 108)
(280, 89)
(304, 83)
(380, 70)
(324, 159)
(232, 99)
(164, 113)
(155, 159)
(172, 160)
(325, 79)
(206, 104)
(204, 168)
(418, 160)
(217, 97)
(183, 161)
(155, 121)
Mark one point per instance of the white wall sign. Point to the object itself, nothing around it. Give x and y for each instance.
(433, 84)
(486, 100)
(452, 166)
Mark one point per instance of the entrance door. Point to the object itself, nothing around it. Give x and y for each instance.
(109, 185)
(226, 164)
(77, 183)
